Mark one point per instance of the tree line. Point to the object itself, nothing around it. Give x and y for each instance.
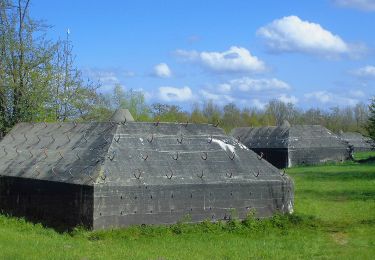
(40, 82)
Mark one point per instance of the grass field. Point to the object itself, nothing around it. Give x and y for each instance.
(334, 218)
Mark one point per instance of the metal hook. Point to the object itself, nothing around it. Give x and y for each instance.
(261, 156)
(232, 156)
(62, 157)
(37, 171)
(53, 139)
(229, 175)
(24, 135)
(111, 157)
(6, 153)
(282, 173)
(31, 154)
(53, 171)
(238, 139)
(204, 156)
(84, 137)
(45, 153)
(118, 139)
(139, 174)
(144, 157)
(180, 140)
(67, 135)
(217, 123)
(201, 176)
(209, 139)
(175, 157)
(70, 172)
(150, 139)
(257, 174)
(169, 177)
(124, 122)
(78, 157)
(45, 124)
(37, 136)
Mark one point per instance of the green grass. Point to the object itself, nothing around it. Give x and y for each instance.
(334, 218)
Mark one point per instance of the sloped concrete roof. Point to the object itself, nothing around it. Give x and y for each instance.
(130, 153)
(284, 136)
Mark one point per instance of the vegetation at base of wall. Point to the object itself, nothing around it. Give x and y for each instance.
(334, 218)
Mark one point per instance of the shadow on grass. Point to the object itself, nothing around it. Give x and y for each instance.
(339, 196)
(339, 175)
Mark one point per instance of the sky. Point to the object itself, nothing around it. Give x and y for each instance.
(317, 53)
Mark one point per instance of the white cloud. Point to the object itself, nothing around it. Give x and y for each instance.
(365, 72)
(364, 5)
(236, 59)
(171, 94)
(218, 98)
(249, 84)
(357, 93)
(162, 70)
(224, 87)
(288, 99)
(291, 34)
(326, 97)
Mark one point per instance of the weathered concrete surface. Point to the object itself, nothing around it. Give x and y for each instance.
(117, 174)
(359, 142)
(287, 146)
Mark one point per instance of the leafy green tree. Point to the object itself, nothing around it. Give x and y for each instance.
(371, 120)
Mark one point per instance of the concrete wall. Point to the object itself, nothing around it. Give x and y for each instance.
(142, 204)
(311, 156)
(278, 157)
(55, 204)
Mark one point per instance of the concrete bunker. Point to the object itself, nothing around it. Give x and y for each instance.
(285, 146)
(122, 172)
(359, 142)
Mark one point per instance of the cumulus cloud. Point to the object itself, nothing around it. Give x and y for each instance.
(162, 70)
(364, 5)
(218, 98)
(236, 59)
(291, 34)
(288, 99)
(325, 97)
(249, 84)
(171, 94)
(365, 72)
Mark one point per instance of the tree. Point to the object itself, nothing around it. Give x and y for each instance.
(25, 67)
(371, 120)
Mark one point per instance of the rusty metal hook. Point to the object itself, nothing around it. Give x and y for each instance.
(31, 154)
(150, 139)
(229, 175)
(232, 156)
(118, 139)
(260, 157)
(204, 156)
(169, 177)
(139, 174)
(180, 140)
(111, 157)
(175, 157)
(217, 123)
(70, 172)
(124, 122)
(256, 175)
(201, 176)
(144, 157)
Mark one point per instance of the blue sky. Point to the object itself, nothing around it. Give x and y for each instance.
(312, 53)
